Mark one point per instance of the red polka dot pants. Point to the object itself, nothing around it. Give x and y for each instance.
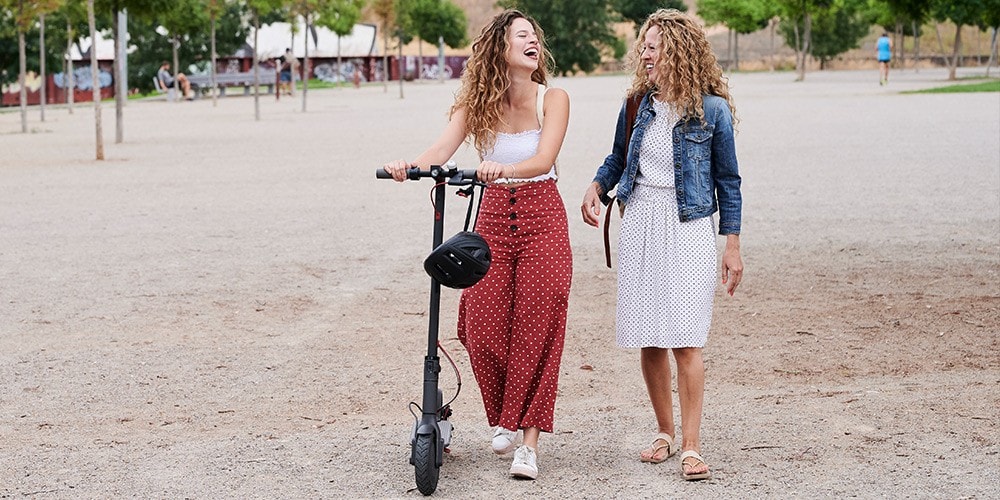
(513, 322)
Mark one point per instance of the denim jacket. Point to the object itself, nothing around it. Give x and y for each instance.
(706, 173)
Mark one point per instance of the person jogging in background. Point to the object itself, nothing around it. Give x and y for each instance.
(883, 50)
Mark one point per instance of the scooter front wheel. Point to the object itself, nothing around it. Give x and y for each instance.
(425, 463)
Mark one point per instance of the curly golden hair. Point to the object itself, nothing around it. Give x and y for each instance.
(485, 79)
(689, 67)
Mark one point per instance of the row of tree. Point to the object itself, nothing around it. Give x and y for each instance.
(580, 32)
(190, 30)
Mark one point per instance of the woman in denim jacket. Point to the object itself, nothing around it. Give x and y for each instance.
(678, 168)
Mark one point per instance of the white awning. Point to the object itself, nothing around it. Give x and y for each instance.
(105, 48)
(276, 37)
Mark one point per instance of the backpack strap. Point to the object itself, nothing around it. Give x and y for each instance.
(631, 111)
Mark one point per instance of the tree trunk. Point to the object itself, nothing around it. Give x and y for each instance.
(916, 47)
(295, 74)
(953, 67)
(729, 49)
(174, 43)
(339, 61)
(441, 59)
(806, 47)
(118, 69)
(420, 58)
(993, 52)
(305, 64)
(256, 68)
(385, 62)
(979, 48)
(798, 43)
(771, 56)
(937, 32)
(41, 66)
(899, 42)
(70, 75)
(98, 130)
(212, 70)
(736, 51)
(22, 79)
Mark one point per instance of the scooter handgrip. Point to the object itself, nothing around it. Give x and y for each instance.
(380, 173)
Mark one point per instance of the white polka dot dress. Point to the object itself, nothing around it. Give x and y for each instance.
(666, 268)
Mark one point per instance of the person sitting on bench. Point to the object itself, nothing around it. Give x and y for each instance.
(167, 81)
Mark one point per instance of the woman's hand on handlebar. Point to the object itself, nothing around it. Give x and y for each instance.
(490, 171)
(397, 169)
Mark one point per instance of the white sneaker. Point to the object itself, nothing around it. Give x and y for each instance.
(504, 441)
(525, 463)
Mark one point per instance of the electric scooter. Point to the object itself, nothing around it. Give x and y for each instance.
(432, 430)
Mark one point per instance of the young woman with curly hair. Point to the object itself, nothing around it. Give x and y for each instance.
(676, 170)
(513, 322)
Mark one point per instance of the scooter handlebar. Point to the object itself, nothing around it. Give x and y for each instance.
(454, 175)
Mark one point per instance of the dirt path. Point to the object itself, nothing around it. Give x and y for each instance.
(232, 308)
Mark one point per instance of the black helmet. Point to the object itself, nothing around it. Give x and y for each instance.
(459, 262)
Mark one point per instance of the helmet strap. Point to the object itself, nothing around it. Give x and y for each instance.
(468, 214)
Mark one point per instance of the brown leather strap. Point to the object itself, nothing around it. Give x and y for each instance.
(631, 110)
(607, 236)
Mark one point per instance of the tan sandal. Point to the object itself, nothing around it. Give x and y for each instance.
(686, 458)
(654, 449)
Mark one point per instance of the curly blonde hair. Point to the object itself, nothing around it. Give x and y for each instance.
(689, 67)
(485, 79)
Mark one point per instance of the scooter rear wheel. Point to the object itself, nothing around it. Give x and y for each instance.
(425, 463)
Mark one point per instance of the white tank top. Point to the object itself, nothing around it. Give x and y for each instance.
(514, 148)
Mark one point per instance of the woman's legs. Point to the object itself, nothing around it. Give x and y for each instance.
(883, 71)
(691, 391)
(656, 372)
(530, 437)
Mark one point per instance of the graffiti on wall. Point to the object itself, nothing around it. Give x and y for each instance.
(331, 73)
(32, 82)
(55, 87)
(82, 79)
(429, 70)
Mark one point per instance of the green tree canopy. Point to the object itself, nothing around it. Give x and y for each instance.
(636, 11)
(152, 47)
(796, 27)
(839, 28)
(15, 14)
(902, 11)
(962, 13)
(339, 16)
(741, 16)
(430, 19)
(991, 15)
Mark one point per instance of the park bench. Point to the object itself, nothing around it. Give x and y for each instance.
(203, 83)
(171, 93)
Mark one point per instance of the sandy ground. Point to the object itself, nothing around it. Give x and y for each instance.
(235, 308)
